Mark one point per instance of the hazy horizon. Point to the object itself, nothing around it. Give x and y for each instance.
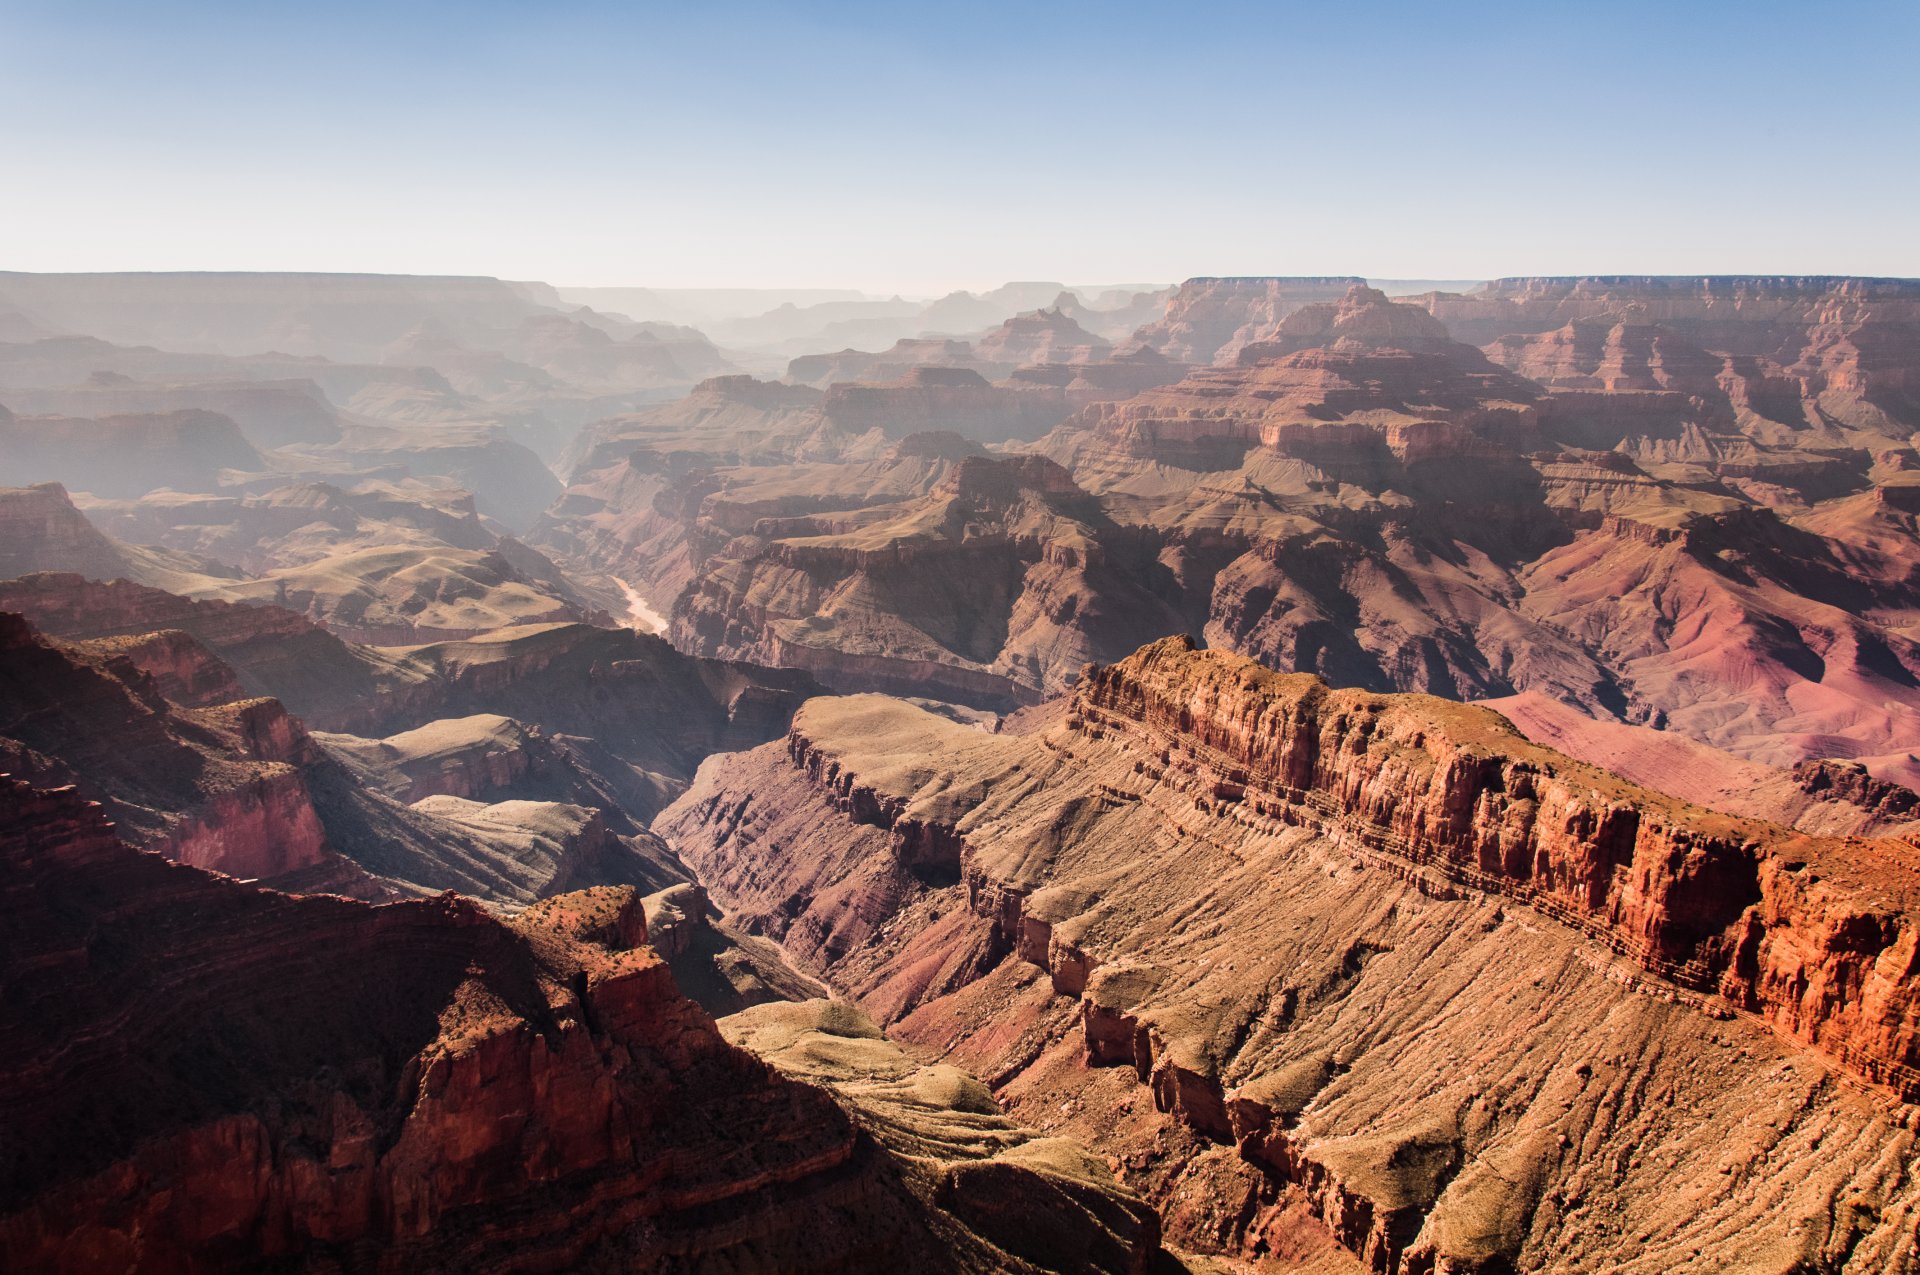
(770, 146)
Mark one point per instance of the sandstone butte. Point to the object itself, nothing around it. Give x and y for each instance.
(1314, 964)
(203, 1075)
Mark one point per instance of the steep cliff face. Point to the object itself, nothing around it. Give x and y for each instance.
(204, 1076)
(1709, 902)
(271, 650)
(1292, 954)
(218, 786)
(1651, 530)
(40, 530)
(984, 590)
(507, 1092)
(1824, 796)
(1824, 351)
(1363, 389)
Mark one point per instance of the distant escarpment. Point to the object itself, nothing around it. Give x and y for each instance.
(124, 455)
(269, 413)
(205, 1076)
(1649, 519)
(957, 399)
(1320, 965)
(1209, 320)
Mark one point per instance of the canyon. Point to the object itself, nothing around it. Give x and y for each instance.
(1300, 959)
(1259, 775)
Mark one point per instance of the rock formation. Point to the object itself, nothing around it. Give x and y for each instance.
(990, 587)
(1207, 320)
(1309, 961)
(1042, 336)
(319, 1084)
(155, 728)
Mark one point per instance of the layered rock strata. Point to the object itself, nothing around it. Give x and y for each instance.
(206, 1076)
(1374, 961)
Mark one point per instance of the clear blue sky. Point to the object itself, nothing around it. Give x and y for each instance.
(923, 147)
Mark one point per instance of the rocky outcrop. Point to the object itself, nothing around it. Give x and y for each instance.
(1822, 351)
(184, 671)
(1041, 336)
(219, 786)
(1208, 320)
(508, 1095)
(40, 530)
(206, 1076)
(1429, 984)
(1712, 903)
(973, 592)
(272, 651)
(1362, 390)
(1829, 780)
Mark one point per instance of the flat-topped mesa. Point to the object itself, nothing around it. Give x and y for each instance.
(823, 370)
(1727, 286)
(1806, 932)
(127, 455)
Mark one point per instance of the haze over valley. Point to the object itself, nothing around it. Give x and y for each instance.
(774, 638)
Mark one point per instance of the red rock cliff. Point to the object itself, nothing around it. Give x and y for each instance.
(201, 1075)
(1807, 932)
